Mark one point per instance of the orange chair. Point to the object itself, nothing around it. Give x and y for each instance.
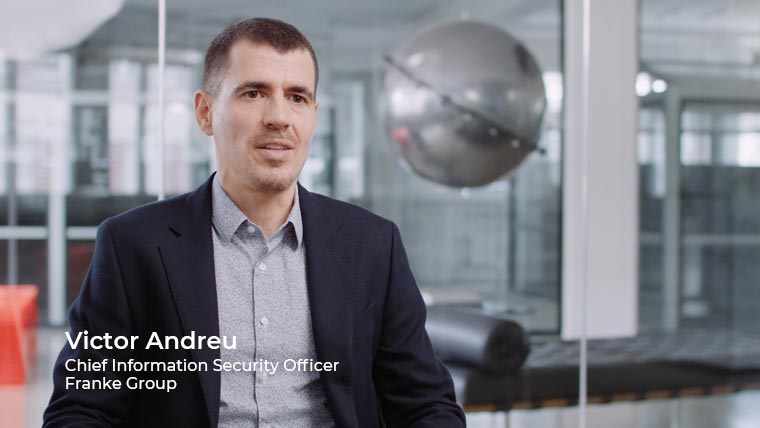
(18, 334)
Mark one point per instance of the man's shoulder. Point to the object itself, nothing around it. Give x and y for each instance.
(356, 223)
(351, 214)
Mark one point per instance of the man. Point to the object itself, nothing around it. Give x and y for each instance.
(293, 276)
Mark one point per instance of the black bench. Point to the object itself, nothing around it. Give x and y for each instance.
(649, 366)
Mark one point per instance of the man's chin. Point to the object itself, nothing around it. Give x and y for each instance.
(273, 185)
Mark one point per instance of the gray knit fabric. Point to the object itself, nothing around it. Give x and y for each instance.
(263, 301)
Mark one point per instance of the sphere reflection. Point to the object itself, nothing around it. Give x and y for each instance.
(463, 103)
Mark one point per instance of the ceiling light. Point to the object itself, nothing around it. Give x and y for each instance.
(659, 86)
(643, 84)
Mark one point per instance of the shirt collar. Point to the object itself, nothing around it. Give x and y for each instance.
(294, 218)
(227, 217)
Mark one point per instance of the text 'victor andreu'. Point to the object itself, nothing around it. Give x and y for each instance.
(191, 341)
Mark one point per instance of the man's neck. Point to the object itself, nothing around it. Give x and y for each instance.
(268, 210)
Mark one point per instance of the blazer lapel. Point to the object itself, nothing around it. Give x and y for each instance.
(330, 276)
(188, 258)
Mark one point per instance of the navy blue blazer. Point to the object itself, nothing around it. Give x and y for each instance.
(153, 270)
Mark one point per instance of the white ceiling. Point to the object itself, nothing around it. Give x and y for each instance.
(701, 37)
(677, 36)
(352, 34)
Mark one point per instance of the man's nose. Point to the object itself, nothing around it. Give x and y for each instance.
(276, 114)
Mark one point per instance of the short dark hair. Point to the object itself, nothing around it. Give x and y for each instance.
(279, 35)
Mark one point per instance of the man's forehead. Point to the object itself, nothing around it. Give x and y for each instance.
(248, 57)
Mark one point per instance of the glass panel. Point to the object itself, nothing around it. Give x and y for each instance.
(720, 225)
(78, 133)
(699, 272)
(495, 247)
(74, 134)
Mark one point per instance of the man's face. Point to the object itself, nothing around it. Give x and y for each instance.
(262, 117)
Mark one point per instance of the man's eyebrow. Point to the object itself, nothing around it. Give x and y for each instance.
(259, 85)
(252, 84)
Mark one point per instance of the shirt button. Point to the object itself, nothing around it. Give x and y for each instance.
(263, 266)
(264, 321)
(251, 229)
(264, 376)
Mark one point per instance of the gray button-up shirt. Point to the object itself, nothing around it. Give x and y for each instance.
(263, 301)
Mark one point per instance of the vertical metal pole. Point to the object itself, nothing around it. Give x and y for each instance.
(161, 92)
(10, 120)
(142, 136)
(671, 229)
(56, 248)
(12, 218)
(584, 232)
(60, 176)
(512, 233)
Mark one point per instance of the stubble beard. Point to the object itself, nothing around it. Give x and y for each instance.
(272, 179)
(271, 182)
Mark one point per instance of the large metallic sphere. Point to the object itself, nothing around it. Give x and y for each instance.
(464, 103)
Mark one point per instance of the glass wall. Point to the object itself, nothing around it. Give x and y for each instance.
(78, 139)
(717, 164)
(76, 143)
(699, 152)
(720, 197)
(496, 247)
(81, 141)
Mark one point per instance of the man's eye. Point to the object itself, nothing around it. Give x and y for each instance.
(298, 98)
(252, 94)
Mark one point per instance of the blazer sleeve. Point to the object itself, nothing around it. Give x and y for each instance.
(101, 308)
(413, 387)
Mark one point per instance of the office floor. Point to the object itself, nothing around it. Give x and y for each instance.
(23, 406)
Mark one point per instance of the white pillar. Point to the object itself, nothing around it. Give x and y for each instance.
(611, 258)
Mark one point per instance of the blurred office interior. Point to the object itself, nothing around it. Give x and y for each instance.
(673, 169)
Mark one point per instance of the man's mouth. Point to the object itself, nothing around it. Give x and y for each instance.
(274, 147)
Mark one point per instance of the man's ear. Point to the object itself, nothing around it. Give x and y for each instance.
(203, 115)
